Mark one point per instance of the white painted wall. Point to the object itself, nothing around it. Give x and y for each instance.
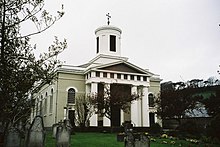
(104, 40)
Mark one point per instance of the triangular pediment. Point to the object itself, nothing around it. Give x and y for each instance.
(124, 67)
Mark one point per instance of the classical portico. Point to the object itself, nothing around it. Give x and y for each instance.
(110, 68)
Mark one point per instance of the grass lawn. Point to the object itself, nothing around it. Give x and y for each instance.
(109, 140)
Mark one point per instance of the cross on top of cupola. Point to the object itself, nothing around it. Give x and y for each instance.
(108, 16)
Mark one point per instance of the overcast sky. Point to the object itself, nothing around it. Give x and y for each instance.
(177, 39)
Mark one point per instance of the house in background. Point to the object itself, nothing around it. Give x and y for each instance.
(56, 101)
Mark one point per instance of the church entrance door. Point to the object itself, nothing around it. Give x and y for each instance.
(71, 116)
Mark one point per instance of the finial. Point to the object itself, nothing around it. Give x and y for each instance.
(108, 16)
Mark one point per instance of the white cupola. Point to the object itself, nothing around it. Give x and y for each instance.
(108, 40)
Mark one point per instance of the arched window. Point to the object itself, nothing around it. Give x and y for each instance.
(45, 104)
(51, 102)
(41, 105)
(37, 100)
(151, 100)
(71, 96)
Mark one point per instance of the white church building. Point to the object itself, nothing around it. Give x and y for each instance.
(56, 101)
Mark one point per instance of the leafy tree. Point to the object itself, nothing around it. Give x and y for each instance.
(108, 101)
(174, 102)
(20, 70)
(84, 110)
(212, 103)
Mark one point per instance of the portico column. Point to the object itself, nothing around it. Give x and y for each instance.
(94, 117)
(134, 108)
(106, 121)
(145, 106)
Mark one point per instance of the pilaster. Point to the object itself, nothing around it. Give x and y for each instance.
(94, 117)
(145, 106)
(106, 121)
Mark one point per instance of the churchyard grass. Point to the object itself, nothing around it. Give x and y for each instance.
(109, 140)
(88, 140)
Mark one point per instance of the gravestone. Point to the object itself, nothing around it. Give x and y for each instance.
(68, 125)
(129, 136)
(63, 135)
(36, 133)
(26, 129)
(143, 141)
(54, 129)
(129, 139)
(12, 138)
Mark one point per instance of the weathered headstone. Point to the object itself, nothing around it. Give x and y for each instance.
(54, 130)
(143, 141)
(26, 129)
(129, 136)
(36, 133)
(129, 140)
(12, 138)
(68, 125)
(63, 136)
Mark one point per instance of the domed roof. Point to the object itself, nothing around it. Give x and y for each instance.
(108, 27)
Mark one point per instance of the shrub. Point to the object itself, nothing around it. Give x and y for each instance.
(190, 128)
(206, 139)
(214, 128)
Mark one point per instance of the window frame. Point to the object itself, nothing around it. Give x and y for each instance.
(69, 94)
(112, 44)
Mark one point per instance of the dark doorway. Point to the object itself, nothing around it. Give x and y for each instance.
(152, 118)
(116, 118)
(119, 92)
(71, 116)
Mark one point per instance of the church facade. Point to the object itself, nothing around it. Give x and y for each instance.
(56, 101)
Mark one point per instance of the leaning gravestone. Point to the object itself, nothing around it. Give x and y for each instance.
(36, 133)
(63, 136)
(12, 138)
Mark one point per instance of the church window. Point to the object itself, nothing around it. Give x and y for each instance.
(118, 76)
(97, 42)
(41, 113)
(51, 102)
(132, 77)
(144, 78)
(45, 104)
(105, 74)
(151, 100)
(97, 74)
(138, 78)
(37, 107)
(71, 96)
(113, 43)
(125, 76)
(111, 75)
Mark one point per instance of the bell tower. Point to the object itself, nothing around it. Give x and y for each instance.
(108, 40)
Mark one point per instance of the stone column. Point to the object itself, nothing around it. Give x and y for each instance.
(106, 121)
(145, 107)
(140, 108)
(122, 117)
(94, 118)
(134, 108)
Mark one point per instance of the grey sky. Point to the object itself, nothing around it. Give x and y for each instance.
(177, 39)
